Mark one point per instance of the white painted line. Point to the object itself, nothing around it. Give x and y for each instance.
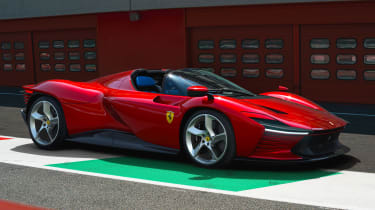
(348, 190)
(142, 181)
(22, 151)
(336, 191)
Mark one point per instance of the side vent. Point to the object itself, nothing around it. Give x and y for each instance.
(112, 112)
(27, 95)
(28, 92)
(274, 110)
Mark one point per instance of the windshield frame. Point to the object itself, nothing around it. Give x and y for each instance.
(184, 78)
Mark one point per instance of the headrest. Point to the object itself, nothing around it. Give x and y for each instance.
(144, 81)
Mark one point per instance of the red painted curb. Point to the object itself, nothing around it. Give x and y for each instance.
(3, 138)
(16, 206)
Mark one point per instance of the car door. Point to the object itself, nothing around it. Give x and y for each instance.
(152, 117)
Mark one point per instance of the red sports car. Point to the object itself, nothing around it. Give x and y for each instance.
(190, 110)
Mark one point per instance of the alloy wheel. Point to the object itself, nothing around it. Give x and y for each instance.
(44, 123)
(206, 139)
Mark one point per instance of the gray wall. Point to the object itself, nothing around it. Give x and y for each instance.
(12, 9)
(159, 4)
(15, 9)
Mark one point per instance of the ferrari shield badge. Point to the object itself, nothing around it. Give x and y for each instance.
(170, 116)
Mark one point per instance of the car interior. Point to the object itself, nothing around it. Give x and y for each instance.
(158, 81)
(148, 80)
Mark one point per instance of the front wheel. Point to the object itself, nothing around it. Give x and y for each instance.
(209, 139)
(46, 123)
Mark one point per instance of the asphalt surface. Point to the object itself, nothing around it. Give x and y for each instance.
(61, 190)
(51, 189)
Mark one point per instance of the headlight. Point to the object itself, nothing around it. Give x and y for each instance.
(274, 126)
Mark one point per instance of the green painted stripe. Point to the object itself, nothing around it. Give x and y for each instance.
(188, 174)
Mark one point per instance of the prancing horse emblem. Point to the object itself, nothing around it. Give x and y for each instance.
(170, 116)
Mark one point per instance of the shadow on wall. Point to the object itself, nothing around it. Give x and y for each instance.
(360, 116)
(11, 97)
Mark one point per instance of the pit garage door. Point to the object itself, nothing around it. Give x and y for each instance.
(338, 63)
(16, 62)
(256, 57)
(68, 54)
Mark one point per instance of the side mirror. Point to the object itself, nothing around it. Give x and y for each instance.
(197, 91)
(283, 88)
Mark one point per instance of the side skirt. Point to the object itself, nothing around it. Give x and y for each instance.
(118, 139)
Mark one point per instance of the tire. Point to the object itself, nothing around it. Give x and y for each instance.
(208, 139)
(46, 123)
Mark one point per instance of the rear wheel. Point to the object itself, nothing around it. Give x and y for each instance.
(209, 138)
(46, 123)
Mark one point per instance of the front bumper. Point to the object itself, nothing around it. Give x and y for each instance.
(342, 149)
(315, 146)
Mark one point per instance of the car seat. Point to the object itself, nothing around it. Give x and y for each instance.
(147, 84)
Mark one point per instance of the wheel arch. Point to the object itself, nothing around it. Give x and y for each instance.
(38, 95)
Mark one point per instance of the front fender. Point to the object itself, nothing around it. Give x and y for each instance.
(294, 98)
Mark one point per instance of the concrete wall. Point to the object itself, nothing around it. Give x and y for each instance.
(162, 4)
(15, 9)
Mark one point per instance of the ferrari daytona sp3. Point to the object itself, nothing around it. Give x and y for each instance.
(193, 111)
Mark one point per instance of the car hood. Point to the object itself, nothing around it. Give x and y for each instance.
(294, 114)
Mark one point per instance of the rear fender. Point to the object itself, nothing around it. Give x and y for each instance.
(82, 104)
(67, 91)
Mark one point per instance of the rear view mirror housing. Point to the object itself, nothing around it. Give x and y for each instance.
(283, 88)
(197, 91)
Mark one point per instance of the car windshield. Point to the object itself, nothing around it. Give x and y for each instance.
(177, 82)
